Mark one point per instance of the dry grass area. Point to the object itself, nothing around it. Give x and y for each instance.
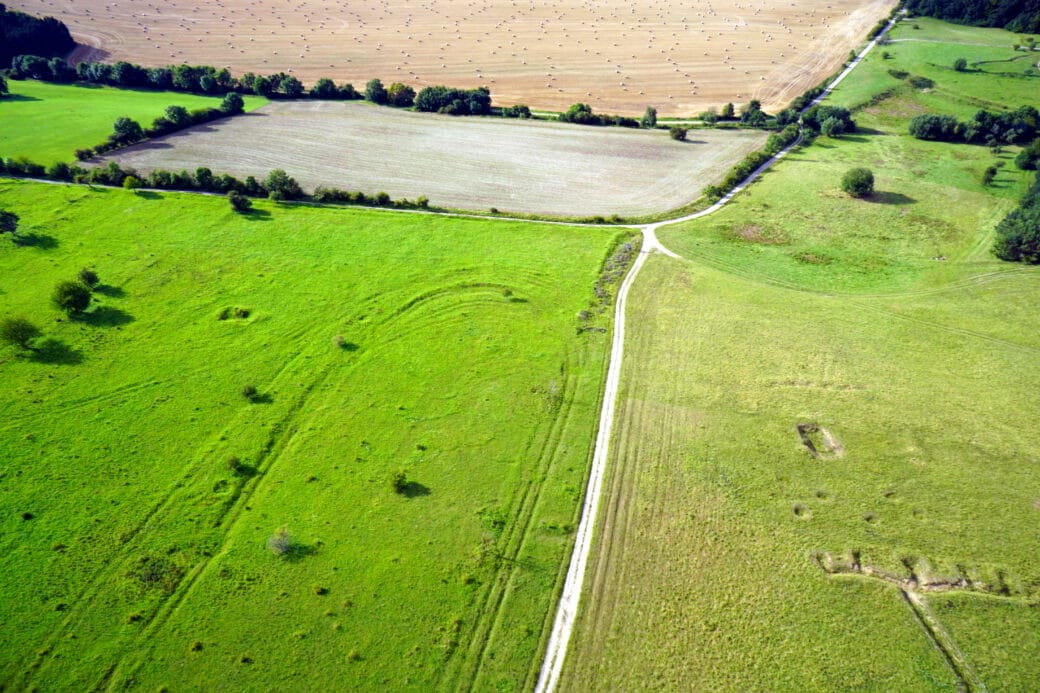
(678, 56)
(470, 163)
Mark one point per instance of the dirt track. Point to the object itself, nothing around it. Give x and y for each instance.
(679, 57)
(532, 167)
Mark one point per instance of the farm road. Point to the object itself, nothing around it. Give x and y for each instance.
(567, 611)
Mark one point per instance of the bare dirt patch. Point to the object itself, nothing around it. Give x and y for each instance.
(620, 57)
(470, 163)
(820, 442)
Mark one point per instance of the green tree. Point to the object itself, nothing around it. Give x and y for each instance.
(677, 133)
(832, 127)
(727, 112)
(8, 222)
(281, 186)
(1018, 236)
(400, 95)
(178, 115)
(89, 277)
(324, 88)
(232, 104)
(375, 91)
(960, 64)
(649, 118)
(3, 86)
(399, 482)
(131, 183)
(239, 202)
(126, 131)
(858, 182)
(19, 332)
(71, 297)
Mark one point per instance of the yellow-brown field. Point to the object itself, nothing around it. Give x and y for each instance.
(618, 57)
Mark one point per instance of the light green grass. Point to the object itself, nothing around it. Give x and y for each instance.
(49, 122)
(463, 367)
(889, 323)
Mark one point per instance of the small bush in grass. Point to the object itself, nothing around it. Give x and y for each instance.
(960, 64)
(89, 277)
(399, 482)
(239, 202)
(858, 182)
(989, 175)
(250, 392)
(280, 543)
(71, 297)
(19, 332)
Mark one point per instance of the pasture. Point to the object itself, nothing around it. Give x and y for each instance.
(140, 488)
(516, 166)
(820, 443)
(49, 122)
(679, 57)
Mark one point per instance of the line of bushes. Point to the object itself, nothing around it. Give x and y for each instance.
(1011, 127)
(20, 33)
(581, 114)
(739, 173)
(1018, 234)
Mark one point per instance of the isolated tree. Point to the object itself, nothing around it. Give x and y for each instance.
(375, 91)
(649, 118)
(858, 182)
(131, 183)
(239, 202)
(71, 297)
(126, 130)
(677, 133)
(89, 277)
(232, 104)
(400, 95)
(281, 186)
(399, 482)
(19, 332)
(8, 222)
(280, 542)
(960, 64)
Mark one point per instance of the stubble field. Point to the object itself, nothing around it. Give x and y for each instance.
(518, 166)
(679, 57)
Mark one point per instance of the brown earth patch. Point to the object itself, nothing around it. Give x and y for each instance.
(820, 442)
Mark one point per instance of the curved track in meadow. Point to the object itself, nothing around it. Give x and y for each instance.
(567, 610)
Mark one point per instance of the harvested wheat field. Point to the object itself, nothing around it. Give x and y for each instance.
(530, 166)
(619, 57)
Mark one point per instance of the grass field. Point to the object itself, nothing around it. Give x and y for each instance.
(681, 57)
(135, 548)
(49, 122)
(531, 167)
(887, 324)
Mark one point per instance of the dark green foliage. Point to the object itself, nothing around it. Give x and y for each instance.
(399, 482)
(239, 202)
(1018, 236)
(441, 99)
(778, 140)
(88, 277)
(581, 113)
(3, 86)
(677, 133)
(19, 332)
(816, 115)
(1029, 158)
(1022, 16)
(832, 127)
(727, 112)
(281, 186)
(250, 392)
(71, 297)
(232, 104)
(400, 95)
(858, 182)
(324, 88)
(752, 114)
(960, 64)
(517, 111)
(375, 91)
(1007, 127)
(920, 82)
(899, 74)
(649, 118)
(21, 33)
(8, 222)
(989, 174)
(126, 131)
(936, 127)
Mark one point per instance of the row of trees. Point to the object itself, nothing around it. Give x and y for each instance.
(739, 173)
(23, 33)
(1014, 15)
(1010, 127)
(581, 114)
(1018, 234)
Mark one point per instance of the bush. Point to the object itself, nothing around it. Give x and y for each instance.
(239, 202)
(399, 482)
(280, 543)
(960, 64)
(677, 133)
(989, 175)
(250, 392)
(88, 277)
(281, 186)
(8, 222)
(858, 182)
(72, 297)
(1018, 236)
(232, 104)
(375, 91)
(19, 332)
(518, 111)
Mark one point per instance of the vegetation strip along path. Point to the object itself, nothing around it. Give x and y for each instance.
(556, 651)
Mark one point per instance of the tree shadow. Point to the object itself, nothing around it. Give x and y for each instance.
(106, 316)
(256, 215)
(55, 352)
(149, 195)
(891, 198)
(298, 552)
(18, 97)
(517, 299)
(110, 291)
(413, 489)
(349, 346)
(261, 398)
(36, 240)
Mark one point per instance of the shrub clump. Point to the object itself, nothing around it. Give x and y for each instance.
(19, 332)
(280, 543)
(71, 297)
(858, 182)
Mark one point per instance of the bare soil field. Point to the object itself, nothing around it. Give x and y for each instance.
(470, 163)
(680, 57)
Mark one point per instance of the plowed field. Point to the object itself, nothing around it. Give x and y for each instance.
(535, 167)
(620, 57)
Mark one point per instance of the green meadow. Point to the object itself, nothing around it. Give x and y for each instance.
(907, 354)
(49, 122)
(140, 490)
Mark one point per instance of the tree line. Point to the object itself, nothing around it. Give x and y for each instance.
(23, 33)
(1020, 16)
(1009, 127)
